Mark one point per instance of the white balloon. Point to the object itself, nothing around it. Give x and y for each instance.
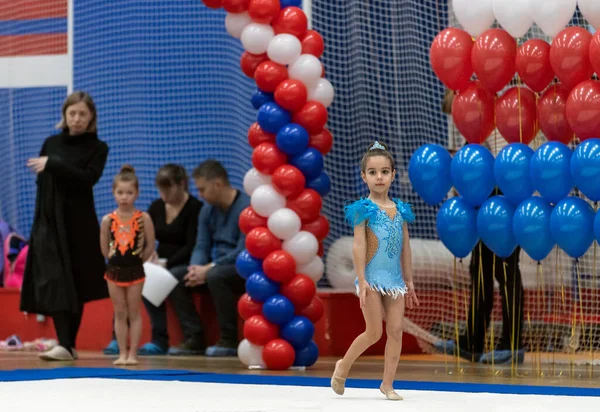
(284, 223)
(313, 269)
(307, 68)
(256, 37)
(254, 179)
(303, 246)
(236, 22)
(322, 92)
(265, 200)
(591, 11)
(250, 354)
(340, 268)
(284, 49)
(552, 15)
(475, 16)
(513, 16)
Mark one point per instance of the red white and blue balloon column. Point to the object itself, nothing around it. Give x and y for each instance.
(284, 227)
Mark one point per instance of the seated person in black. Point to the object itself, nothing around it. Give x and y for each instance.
(175, 219)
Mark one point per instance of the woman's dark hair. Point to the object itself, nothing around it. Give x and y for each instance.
(171, 174)
(376, 149)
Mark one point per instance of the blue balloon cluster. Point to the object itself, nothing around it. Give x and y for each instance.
(515, 218)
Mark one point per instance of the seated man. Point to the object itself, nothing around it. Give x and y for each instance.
(218, 243)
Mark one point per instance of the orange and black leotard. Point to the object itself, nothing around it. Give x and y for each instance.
(125, 264)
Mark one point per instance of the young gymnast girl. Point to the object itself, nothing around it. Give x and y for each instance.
(382, 261)
(127, 241)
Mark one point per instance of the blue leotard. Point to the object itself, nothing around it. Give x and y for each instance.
(383, 272)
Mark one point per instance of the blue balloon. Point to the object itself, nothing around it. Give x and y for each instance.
(511, 171)
(585, 168)
(572, 226)
(290, 3)
(260, 287)
(272, 117)
(298, 332)
(597, 227)
(495, 226)
(246, 264)
(259, 98)
(472, 172)
(292, 139)
(309, 162)
(429, 173)
(321, 184)
(531, 226)
(457, 226)
(307, 356)
(550, 171)
(278, 309)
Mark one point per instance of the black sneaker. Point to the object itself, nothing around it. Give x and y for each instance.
(191, 347)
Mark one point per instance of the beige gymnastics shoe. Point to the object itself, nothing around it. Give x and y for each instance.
(57, 353)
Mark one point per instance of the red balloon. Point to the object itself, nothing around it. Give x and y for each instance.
(450, 57)
(249, 62)
(256, 135)
(249, 219)
(235, 6)
(213, 4)
(291, 20)
(260, 242)
(473, 113)
(307, 205)
(516, 116)
(279, 266)
(300, 290)
(570, 56)
(291, 94)
(551, 114)
(321, 251)
(314, 311)
(269, 74)
(322, 141)
(595, 52)
(312, 43)
(583, 109)
(318, 227)
(263, 11)
(260, 331)
(248, 307)
(266, 158)
(288, 180)
(312, 116)
(533, 64)
(278, 355)
(493, 58)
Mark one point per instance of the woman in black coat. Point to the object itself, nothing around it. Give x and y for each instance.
(65, 267)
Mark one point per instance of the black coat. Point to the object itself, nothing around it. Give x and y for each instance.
(65, 266)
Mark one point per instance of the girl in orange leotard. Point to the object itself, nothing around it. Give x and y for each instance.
(127, 241)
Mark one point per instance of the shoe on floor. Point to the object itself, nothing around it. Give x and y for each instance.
(151, 349)
(74, 354)
(222, 349)
(503, 356)
(449, 348)
(57, 353)
(191, 347)
(112, 348)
